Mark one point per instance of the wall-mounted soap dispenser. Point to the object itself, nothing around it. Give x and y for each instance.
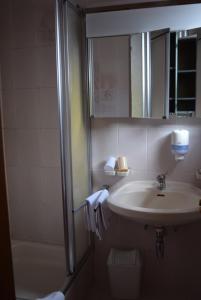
(180, 143)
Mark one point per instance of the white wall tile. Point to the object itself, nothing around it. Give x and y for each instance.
(159, 154)
(32, 26)
(36, 204)
(27, 108)
(132, 143)
(29, 147)
(21, 108)
(104, 142)
(12, 147)
(192, 160)
(6, 68)
(25, 205)
(25, 68)
(9, 109)
(24, 17)
(160, 157)
(49, 148)
(46, 37)
(5, 24)
(28, 69)
(46, 60)
(50, 215)
(147, 146)
(99, 178)
(23, 39)
(48, 108)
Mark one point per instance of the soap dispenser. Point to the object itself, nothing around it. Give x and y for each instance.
(180, 143)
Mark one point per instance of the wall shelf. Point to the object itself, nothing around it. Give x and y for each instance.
(187, 71)
(183, 75)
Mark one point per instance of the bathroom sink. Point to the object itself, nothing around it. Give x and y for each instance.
(143, 202)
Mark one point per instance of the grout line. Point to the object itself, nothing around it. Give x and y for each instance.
(31, 128)
(29, 88)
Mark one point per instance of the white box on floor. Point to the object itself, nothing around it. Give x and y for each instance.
(124, 269)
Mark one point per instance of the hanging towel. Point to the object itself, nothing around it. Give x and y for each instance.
(97, 213)
(104, 209)
(91, 204)
(110, 164)
(99, 224)
(53, 296)
(87, 218)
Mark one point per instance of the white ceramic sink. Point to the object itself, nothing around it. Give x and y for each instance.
(143, 202)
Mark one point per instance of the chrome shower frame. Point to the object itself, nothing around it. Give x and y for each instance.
(64, 105)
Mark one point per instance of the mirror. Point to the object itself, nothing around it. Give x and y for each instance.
(149, 74)
(146, 75)
(110, 76)
(185, 68)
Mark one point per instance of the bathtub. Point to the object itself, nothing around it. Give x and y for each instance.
(39, 269)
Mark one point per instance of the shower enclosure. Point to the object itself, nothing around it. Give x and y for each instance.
(74, 129)
(46, 137)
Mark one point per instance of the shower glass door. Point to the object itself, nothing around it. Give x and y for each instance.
(74, 131)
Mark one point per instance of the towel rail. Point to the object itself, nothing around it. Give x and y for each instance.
(75, 210)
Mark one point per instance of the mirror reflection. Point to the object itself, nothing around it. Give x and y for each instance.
(146, 75)
(110, 78)
(184, 65)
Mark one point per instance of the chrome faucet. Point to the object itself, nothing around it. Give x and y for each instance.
(161, 180)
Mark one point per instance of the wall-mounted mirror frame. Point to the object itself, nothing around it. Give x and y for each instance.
(150, 19)
(128, 75)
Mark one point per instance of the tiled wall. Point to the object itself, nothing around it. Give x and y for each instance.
(146, 143)
(30, 119)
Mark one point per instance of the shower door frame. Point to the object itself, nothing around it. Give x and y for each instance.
(63, 87)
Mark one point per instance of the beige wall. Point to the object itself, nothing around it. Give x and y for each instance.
(146, 143)
(30, 120)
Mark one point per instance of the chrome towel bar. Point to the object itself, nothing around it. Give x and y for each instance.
(75, 210)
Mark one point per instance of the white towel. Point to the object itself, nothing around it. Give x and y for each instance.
(87, 218)
(97, 213)
(53, 296)
(99, 224)
(104, 209)
(110, 164)
(91, 204)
